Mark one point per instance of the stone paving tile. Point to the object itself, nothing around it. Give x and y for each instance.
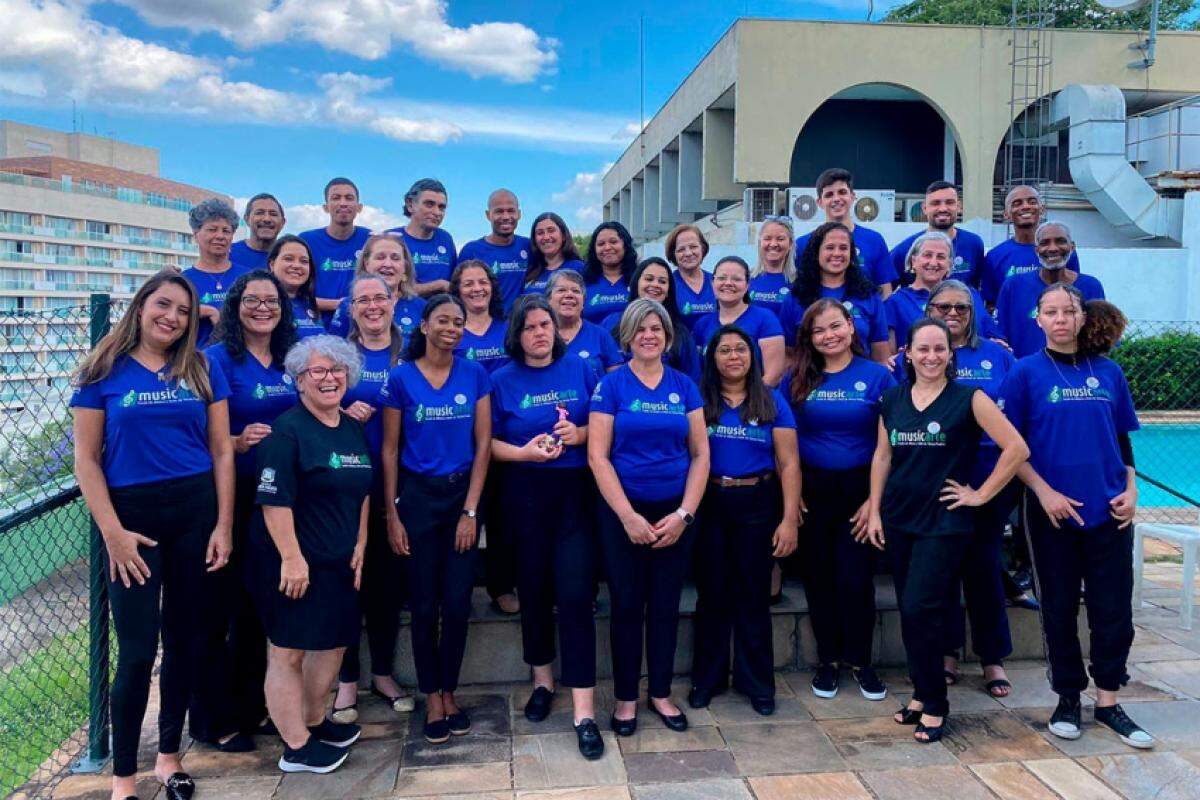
(676, 767)
(734, 709)
(1094, 740)
(994, 737)
(661, 740)
(370, 771)
(98, 786)
(967, 697)
(1184, 676)
(868, 729)
(469, 749)
(1071, 781)
(202, 762)
(1175, 723)
(490, 715)
(1011, 781)
(562, 711)
(441, 781)
(1143, 686)
(552, 760)
(848, 702)
(247, 787)
(586, 793)
(926, 783)
(694, 790)
(813, 786)
(1151, 646)
(1030, 688)
(1152, 776)
(770, 748)
(887, 755)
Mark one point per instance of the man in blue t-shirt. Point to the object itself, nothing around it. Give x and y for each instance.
(835, 196)
(505, 253)
(941, 210)
(1023, 208)
(264, 218)
(335, 247)
(432, 249)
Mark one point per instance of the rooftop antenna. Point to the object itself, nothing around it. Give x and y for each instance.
(642, 85)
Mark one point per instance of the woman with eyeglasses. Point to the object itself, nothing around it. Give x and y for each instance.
(773, 274)
(385, 255)
(731, 282)
(290, 261)
(687, 248)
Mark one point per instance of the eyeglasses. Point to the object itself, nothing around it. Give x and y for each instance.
(321, 373)
(254, 301)
(778, 218)
(947, 308)
(738, 349)
(375, 299)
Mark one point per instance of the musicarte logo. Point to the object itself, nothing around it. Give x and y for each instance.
(458, 410)
(1092, 391)
(932, 436)
(348, 461)
(171, 395)
(550, 398)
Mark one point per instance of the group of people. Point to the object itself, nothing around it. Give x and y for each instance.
(290, 440)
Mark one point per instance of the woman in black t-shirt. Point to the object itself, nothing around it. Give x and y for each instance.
(929, 434)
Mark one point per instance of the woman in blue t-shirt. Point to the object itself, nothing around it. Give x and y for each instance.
(731, 283)
(652, 279)
(1080, 499)
(773, 274)
(380, 343)
(587, 340)
(385, 255)
(687, 248)
(835, 392)
(648, 450)
(539, 430)
(749, 517)
(553, 249)
(611, 260)
(439, 406)
(154, 462)
(291, 261)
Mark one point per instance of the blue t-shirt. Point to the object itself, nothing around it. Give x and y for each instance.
(603, 298)
(306, 323)
(873, 257)
(437, 426)
(538, 286)
(1071, 417)
(407, 314)
(739, 449)
(769, 290)
(247, 257)
(211, 288)
(334, 260)
(966, 266)
(838, 425)
(507, 262)
(1012, 258)
(757, 322)
(650, 431)
(1016, 309)
(376, 366)
(683, 355)
(694, 305)
(154, 430)
(870, 320)
(595, 345)
(486, 350)
(433, 258)
(256, 394)
(906, 305)
(525, 404)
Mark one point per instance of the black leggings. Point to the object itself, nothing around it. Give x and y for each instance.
(180, 515)
(500, 555)
(544, 510)
(383, 581)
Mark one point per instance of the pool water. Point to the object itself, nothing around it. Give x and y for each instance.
(1169, 453)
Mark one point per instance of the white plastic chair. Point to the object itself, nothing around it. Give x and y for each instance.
(1188, 538)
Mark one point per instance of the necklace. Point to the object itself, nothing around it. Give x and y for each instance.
(1051, 359)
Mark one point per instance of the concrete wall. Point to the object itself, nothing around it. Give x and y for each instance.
(18, 140)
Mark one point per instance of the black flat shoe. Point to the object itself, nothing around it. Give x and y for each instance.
(699, 698)
(676, 722)
(763, 705)
(437, 732)
(591, 743)
(538, 707)
(908, 716)
(623, 727)
(180, 786)
(459, 723)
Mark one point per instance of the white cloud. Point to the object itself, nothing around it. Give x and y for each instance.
(583, 194)
(310, 215)
(628, 132)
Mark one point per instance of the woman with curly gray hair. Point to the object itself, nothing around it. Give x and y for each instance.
(306, 550)
(213, 222)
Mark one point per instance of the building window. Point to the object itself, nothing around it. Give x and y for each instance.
(60, 223)
(17, 218)
(102, 228)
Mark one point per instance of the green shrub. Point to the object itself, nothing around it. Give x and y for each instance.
(1163, 370)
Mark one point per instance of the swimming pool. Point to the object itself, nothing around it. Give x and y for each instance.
(1169, 453)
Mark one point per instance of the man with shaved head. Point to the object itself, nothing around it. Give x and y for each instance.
(503, 250)
(1024, 209)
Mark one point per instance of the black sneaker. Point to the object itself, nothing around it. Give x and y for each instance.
(437, 732)
(538, 707)
(314, 756)
(1131, 734)
(591, 743)
(869, 684)
(459, 723)
(338, 734)
(825, 682)
(1065, 722)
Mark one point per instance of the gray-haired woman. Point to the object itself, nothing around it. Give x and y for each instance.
(306, 550)
(213, 222)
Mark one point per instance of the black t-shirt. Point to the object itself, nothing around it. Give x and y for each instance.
(927, 448)
(322, 474)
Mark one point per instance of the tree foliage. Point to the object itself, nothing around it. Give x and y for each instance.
(1172, 14)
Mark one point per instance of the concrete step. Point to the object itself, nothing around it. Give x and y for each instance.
(494, 641)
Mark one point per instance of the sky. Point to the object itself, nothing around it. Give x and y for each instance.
(246, 96)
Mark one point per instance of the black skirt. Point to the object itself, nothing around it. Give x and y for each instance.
(325, 618)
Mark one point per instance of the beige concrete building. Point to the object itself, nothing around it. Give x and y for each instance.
(775, 101)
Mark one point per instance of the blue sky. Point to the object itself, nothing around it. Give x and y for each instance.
(243, 96)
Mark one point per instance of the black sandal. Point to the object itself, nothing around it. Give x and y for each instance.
(933, 733)
(907, 716)
(999, 683)
(950, 676)
(180, 786)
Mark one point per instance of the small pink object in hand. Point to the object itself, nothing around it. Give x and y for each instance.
(562, 417)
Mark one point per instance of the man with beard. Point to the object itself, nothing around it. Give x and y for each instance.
(264, 217)
(941, 209)
(1023, 208)
(1016, 307)
(335, 247)
(505, 252)
(432, 248)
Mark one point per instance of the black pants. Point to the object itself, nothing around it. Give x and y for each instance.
(839, 573)
(441, 577)
(383, 578)
(543, 509)
(500, 555)
(180, 515)
(1102, 557)
(733, 581)
(645, 585)
(925, 567)
(982, 586)
(228, 696)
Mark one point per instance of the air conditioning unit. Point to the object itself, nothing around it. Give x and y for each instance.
(759, 203)
(914, 210)
(871, 206)
(803, 209)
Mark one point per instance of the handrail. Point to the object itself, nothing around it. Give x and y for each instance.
(1168, 489)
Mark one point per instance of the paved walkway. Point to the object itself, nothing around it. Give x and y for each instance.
(841, 749)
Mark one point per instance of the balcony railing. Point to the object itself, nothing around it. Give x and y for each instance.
(120, 193)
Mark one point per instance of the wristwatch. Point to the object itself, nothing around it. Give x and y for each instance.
(469, 512)
(687, 518)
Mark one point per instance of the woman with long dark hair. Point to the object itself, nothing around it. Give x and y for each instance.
(652, 279)
(553, 249)
(611, 260)
(749, 517)
(291, 261)
(154, 463)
